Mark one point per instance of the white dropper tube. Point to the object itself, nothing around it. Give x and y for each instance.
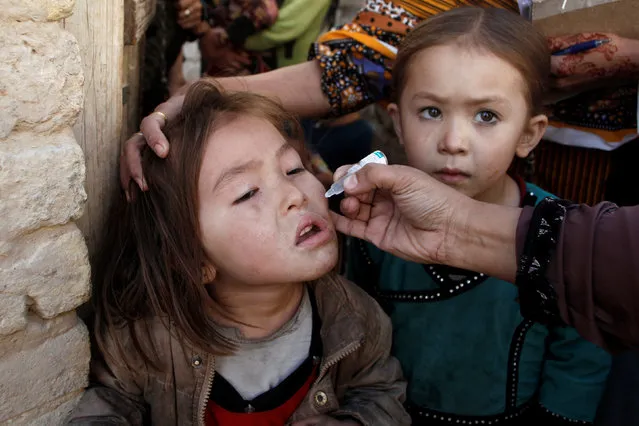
(376, 157)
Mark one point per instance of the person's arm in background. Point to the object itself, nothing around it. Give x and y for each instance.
(618, 59)
(588, 256)
(294, 18)
(298, 87)
(334, 80)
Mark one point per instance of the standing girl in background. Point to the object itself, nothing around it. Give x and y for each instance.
(468, 91)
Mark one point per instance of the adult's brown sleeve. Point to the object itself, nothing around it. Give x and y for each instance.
(594, 271)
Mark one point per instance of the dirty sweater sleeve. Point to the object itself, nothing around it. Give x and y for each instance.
(115, 395)
(112, 398)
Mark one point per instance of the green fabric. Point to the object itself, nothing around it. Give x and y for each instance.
(455, 351)
(298, 21)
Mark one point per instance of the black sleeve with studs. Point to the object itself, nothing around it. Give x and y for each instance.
(536, 294)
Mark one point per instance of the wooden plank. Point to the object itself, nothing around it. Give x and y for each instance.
(137, 17)
(98, 25)
(133, 57)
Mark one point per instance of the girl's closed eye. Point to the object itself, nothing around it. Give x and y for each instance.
(247, 196)
(430, 113)
(486, 117)
(296, 170)
(251, 193)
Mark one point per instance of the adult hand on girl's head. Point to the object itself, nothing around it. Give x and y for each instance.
(402, 211)
(189, 13)
(150, 134)
(617, 58)
(325, 421)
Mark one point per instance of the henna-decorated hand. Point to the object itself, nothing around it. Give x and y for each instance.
(618, 58)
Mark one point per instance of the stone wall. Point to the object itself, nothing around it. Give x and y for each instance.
(44, 269)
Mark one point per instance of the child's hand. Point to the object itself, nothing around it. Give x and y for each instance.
(617, 58)
(326, 421)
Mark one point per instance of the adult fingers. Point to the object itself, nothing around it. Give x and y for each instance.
(341, 171)
(195, 9)
(189, 13)
(184, 4)
(364, 198)
(350, 206)
(151, 127)
(355, 208)
(189, 22)
(131, 163)
(379, 176)
(353, 227)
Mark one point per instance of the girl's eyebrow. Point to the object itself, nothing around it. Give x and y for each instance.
(488, 100)
(283, 149)
(429, 96)
(471, 101)
(228, 174)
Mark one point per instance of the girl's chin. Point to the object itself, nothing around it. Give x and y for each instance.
(322, 266)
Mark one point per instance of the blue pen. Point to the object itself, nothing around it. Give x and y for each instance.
(580, 47)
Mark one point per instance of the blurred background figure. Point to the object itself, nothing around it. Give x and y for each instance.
(175, 22)
(232, 22)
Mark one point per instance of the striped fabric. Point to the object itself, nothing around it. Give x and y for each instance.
(425, 8)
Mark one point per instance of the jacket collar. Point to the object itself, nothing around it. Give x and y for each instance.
(341, 326)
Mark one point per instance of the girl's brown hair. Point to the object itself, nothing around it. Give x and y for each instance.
(151, 264)
(498, 31)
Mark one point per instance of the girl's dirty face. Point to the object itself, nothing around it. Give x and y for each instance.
(463, 116)
(263, 217)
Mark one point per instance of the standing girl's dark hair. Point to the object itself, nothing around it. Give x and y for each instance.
(498, 31)
(152, 261)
